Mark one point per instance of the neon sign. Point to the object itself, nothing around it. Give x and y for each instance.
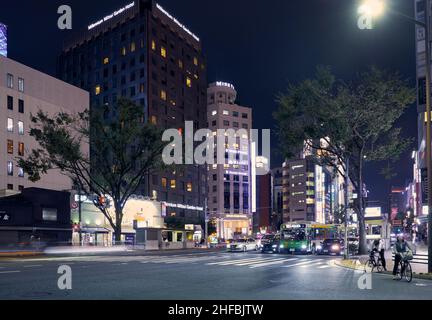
(177, 22)
(112, 15)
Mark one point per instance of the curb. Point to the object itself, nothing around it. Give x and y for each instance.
(349, 264)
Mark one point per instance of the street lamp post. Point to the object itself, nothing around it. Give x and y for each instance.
(374, 8)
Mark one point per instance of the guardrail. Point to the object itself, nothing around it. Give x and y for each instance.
(418, 258)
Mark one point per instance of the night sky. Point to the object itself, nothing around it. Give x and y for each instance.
(259, 46)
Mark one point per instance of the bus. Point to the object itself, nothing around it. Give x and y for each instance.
(305, 237)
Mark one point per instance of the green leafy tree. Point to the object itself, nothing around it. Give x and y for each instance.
(124, 151)
(343, 121)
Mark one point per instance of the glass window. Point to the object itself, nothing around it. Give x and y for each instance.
(164, 182)
(163, 95)
(173, 184)
(106, 60)
(132, 47)
(21, 172)
(10, 125)
(188, 82)
(189, 187)
(10, 80)
(226, 113)
(97, 90)
(163, 52)
(20, 128)
(195, 61)
(153, 45)
(21, 149)
(10, 102)
(10, 147)
(20, 84)
(21, 106)
(10, 168)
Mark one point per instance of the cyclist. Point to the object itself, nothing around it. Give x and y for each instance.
(401, 248)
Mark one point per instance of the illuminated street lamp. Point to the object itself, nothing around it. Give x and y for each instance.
(370, 9)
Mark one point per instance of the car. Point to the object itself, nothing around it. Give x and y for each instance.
(332, 246)
(271, 245)
(265, 240)
(242, 245)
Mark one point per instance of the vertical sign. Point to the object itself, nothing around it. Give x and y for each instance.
(3, 40)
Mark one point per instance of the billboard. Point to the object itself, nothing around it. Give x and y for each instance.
(3, 40)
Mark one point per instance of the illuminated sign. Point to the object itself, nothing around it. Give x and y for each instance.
(177, 22)
(374, 212)
(112, 15)
(224, 84)
(3, 40)
(183, 206)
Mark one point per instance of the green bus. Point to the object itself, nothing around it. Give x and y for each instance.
(305, 237)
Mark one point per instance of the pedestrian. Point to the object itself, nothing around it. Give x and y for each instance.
(381, 250)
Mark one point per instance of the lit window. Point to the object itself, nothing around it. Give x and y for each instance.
(163, 52)
(21, 149)
(98, 90)
(189, 187)
(21, 128)
(188, 82)
(163, 95)
(10, 147)
(132, 47)
(214, 113)
(20, 84)
(173, 184)
(153, 120)
(106, 60)
(10, 168)
(195, 61)
(10, 81)
(123, 51)
(153, 45)
(10, 125)
(164, 182)
(180, 64)
(226, 113)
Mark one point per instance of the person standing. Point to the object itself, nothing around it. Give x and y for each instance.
(381, 251)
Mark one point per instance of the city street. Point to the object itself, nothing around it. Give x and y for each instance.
(198, 276)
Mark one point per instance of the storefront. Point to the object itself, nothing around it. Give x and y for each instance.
(234, 227)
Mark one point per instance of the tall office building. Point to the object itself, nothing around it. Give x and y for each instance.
(231, 186)
(25, 91)
(3, 40)
(144, 53)
(277, 197)
(263, 217)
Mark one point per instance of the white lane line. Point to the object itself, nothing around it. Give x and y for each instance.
(34, 266)
(225, 263)
(5, 272)
(276, 261)
(307, 261)
(324, 267)
(262, 261)
(312, 265)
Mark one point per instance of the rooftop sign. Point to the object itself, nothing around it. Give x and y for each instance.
(177, 22)
(112, 15)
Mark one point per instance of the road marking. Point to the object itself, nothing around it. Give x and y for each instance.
(276, 261)
(34, 266)
(307, 261)
(312, 265)
(5, 272)
(226, 263)
(258, 262)
(324, 267)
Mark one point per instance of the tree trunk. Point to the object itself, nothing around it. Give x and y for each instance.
(118, 223)
(362, 226)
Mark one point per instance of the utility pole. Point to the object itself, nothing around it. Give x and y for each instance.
(79, 214)
(346, 244)
(206, 222)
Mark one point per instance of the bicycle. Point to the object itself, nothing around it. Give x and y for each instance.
(373, 263)
(406, 266)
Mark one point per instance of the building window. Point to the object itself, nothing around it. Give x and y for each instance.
(226, 113)
(244, 115)
(10, 147)
(21, 106)
(173, 184)
(163, 95)
(189, 82)
(195, 61)
(10, 125)
(21, 172)
(180, 64)
(106, 60)
(21, 149)
(21, 128)
(214, 113)
(153, 120)
(153, 45)
(245, 126)
(123, 51)
(10, 80)
(10, 186)
(163, 52)
(10, 168)
(164, 182)
(133, 47)
(226, 123)
(189, 187)
(10, 103)
(20, 188)
(98, 90)
(20, 84)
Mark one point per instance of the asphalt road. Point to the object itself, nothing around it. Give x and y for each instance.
(198, 276)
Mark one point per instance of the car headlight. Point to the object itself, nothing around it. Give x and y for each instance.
(304, 246)
(319, 247)
(335, 247)
(281, 246)
(274, 246)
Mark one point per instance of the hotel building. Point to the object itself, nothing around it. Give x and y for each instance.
(143, 53)
(231, 185)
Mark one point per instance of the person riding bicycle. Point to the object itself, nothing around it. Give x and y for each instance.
(402, 250)
(378, 246)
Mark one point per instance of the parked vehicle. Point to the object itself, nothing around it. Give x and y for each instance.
(242, 245)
